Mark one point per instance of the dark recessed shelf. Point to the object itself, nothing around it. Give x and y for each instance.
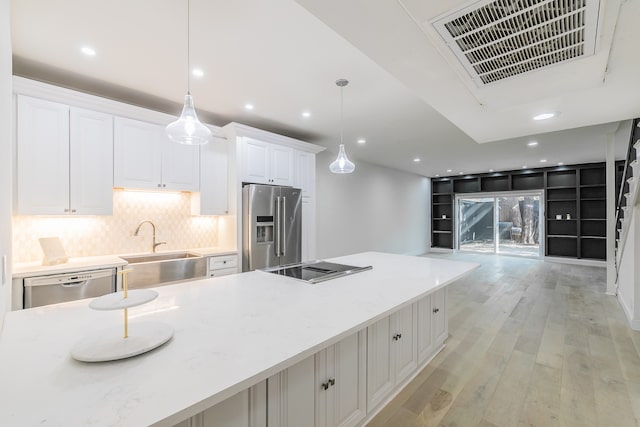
(441, 194)
(442, 203)
(593, 237)
(563, 236)
(444, 232)
(593, 198)
(560, 187)
(593, 219)
(592, 185)
(562, 200)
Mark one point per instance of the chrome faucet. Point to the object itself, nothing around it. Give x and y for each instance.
(155, 244)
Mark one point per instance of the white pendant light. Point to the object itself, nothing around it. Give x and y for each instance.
(187, 129)
(342, 164)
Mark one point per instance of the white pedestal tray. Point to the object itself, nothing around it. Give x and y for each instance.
(109, 344)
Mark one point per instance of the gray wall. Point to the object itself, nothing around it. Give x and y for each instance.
(373, 209)
(5, 153)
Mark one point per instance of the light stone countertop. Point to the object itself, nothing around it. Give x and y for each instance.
(35, 268)
(231, 332)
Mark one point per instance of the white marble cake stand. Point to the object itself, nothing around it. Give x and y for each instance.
(110, 344)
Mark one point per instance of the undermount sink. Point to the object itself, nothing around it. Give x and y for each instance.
(151, 270)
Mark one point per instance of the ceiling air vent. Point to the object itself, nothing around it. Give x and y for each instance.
(495, 40)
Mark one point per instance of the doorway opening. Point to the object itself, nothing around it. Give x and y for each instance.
(505, 224)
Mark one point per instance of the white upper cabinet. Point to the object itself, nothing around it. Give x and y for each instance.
(91, 174)
(213, 198)
(305, 178)
(137, 154)
(64, 159)
(266, 163)
(145, 158)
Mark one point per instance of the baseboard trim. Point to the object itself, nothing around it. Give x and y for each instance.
(441, 250)
(633, 323)
(577, 261)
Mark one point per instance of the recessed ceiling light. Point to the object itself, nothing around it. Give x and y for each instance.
(416, 159)
(362, 141)
(543, 160)
(490, 170)
(437, 175)
(560, 163)
(449, 170)
(88, 51)
(532, 143)
(524, 167)
(544, 116)
(460, 173)
(306, 114)
(197, 72)
(248, 107)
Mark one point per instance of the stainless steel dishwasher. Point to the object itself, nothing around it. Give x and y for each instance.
(44, 290)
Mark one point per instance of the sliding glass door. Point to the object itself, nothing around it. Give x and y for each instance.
(508, 224)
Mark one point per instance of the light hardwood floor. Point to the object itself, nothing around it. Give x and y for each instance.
(531, 343)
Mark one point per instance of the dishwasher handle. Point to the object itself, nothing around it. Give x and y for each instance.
(75, 284)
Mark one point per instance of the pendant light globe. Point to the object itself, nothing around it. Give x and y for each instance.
(187, 129)
(342, 164)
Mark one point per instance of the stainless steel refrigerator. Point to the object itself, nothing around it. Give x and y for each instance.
(271, 226)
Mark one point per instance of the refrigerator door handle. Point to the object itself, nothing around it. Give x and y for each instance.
(277, 226)
(283, 227)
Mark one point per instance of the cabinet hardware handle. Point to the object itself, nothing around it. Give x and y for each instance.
(399, 336)
(324, 386)
(159, 185)
(435, 310)
(395, 337)
(224, 262)
(66, 210)
(73, 210)
(332, 381)
(164, 185)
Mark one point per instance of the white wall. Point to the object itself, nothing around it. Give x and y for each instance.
(5, 154)
(373, 209)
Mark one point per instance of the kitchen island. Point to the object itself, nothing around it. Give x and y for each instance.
(231, 333)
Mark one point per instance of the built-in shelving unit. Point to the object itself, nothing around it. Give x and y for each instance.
(575, 197)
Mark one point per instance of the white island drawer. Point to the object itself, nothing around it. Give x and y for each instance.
(222, 272)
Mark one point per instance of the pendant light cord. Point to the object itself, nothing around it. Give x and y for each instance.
(341, 113)
(188, 46)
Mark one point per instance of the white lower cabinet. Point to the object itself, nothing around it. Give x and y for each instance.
(341, 399)
(291, 401)
(223, 265)
(245, 409)
(432, 324)
(391, 353)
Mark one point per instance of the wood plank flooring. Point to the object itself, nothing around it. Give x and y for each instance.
(531, 343)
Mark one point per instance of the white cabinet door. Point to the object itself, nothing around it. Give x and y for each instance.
(406, 357)
(137, 154)
(91, 158)
(439, 319)
(281, 165)
(256, 161)
(180, 165)
(380, 362)
(42, 157)
(233, 412)
(214, 179)
(424, 331)
(292, 396)
(305, 173)
(346, 372)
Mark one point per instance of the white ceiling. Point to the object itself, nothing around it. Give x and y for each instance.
(406, 96)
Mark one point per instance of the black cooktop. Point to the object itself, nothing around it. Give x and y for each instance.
(316, 271)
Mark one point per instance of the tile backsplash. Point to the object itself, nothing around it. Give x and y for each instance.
(106, 235)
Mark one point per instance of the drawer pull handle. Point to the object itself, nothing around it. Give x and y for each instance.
(332, 382)
(324, 386)
(435, 310)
